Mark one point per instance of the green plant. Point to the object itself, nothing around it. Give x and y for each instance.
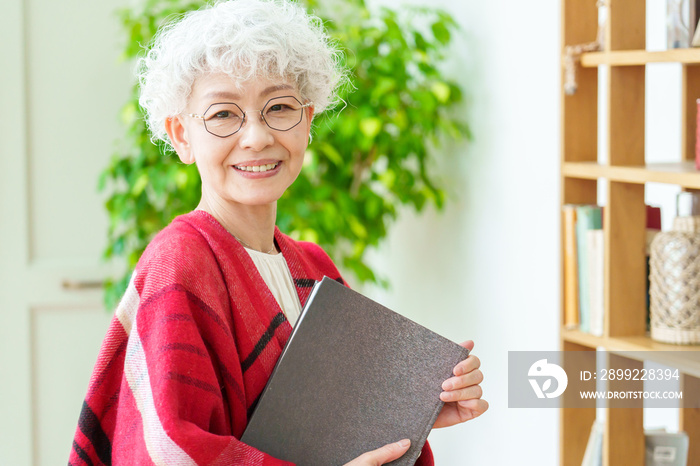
(364, 161)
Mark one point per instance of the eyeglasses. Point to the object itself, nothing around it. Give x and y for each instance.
(227, 118)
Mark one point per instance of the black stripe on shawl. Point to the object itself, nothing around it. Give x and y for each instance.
(176, 346)
(191, 297)
(263, 341)
(207, 311)
(82, 454)
(197, 383)
(304, 282)
(91, 428)
(309, 283)
(228, 378)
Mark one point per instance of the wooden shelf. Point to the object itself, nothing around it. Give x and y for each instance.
(625, 175)
(640, 57)
(682, 174)
(686, 358)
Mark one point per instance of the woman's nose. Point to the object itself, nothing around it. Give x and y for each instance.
(255, 134)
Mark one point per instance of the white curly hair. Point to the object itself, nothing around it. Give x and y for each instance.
(244, 39)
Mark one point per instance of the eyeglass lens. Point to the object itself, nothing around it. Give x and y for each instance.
(226, 118)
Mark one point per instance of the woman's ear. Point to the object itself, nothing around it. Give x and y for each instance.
(310, 118)
(177, 132)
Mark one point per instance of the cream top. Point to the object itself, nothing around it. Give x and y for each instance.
(274, 270)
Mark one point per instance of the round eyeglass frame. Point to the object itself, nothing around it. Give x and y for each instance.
(245, 115)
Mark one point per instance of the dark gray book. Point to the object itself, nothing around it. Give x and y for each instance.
(353, 377)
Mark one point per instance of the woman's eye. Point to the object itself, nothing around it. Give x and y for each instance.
(221, 112)
(279, 108)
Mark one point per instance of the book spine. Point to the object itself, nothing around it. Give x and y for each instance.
(588, 217)
(653, 228)
(571, 302)
(697, 133)
(584, 264)
(593, 455)
(653, 217)
(596, 271)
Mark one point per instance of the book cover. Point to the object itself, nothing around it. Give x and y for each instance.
(588, 217)
(353, 377)
(653, 228)
(571, 310)
(653, 217)
(593, 455)
(596, 281)
(697, 129)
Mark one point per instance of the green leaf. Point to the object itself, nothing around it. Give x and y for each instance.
(441, 91)
(331, 153)
(130, 112)
(370, 127)
(358, 229)
(140, 184)
(441, 33)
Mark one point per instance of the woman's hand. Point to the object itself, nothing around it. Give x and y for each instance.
(382, 455)
(462, 393)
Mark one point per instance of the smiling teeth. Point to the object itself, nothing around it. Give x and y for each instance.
(257, 168)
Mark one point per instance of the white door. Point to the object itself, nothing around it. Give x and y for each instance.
(61, 88)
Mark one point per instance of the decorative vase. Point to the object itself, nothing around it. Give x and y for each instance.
(675, 276)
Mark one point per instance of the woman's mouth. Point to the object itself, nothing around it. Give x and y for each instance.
(257, 168)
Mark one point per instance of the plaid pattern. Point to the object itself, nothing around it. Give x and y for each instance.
(189, 351)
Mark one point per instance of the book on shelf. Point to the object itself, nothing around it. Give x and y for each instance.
(697, 125)
(588, 217)
(571, 310)
(584, 264)
(593, 455)
(653, 218)
(353, 377)
(661, 448)
(596, 284)
(666, 448)
(653, 228)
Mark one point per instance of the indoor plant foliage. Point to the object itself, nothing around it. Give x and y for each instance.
(367, 157)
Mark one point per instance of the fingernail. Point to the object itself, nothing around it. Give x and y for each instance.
(447, 385)
(404, 443)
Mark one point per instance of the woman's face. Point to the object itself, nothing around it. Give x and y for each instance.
(257, 164)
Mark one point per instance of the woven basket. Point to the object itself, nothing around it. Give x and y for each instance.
(675, 283)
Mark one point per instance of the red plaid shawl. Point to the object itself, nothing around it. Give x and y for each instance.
(189, 351)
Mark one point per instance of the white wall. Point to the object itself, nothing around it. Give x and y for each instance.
(487, 268)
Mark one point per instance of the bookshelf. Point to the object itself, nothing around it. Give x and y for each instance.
(624, 175)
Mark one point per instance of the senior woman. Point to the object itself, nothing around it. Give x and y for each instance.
(232, 88)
